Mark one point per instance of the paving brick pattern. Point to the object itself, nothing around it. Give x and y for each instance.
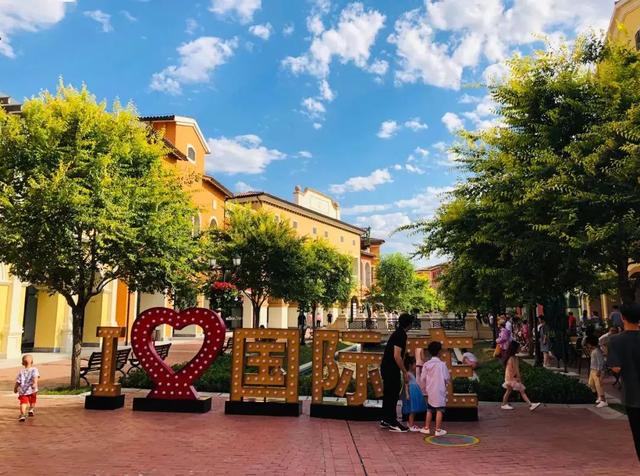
(66, 439)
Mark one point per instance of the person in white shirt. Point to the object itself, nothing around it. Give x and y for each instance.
(469, 359)
(26, 387)
(435, 378)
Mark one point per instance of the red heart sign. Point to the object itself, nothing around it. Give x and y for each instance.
(169, 384)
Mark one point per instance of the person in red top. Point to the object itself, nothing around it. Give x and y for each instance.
(573, 324)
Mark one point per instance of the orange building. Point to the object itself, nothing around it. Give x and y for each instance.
(187, 151)
(432, 273)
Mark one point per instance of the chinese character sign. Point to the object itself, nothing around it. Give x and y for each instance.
(334, 375)
(265, 364)
(326, 375)
(449, 343)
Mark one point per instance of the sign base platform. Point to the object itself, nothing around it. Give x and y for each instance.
(345, 412)
(92, 402)
(143, 404)
(262, 408)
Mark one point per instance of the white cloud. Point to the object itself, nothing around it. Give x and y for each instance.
(128, 16)
(305, 154)
(480, 29)
(358, 184)
(495, 73)
(426, 202)
(288, 30)
(469, 99)
(325, 91)
(313, 108)
(191, 26)
(388, 129)
(483, 116)
(384, 224)
(241, 154)
(101, 17)
(415, 125)
(198, 59)
(378, 67)
(414, 169)
(261, 31)
(242, 187)
(421, 152)
(357, 209)
(397, 167)
(317, 125)
(453, 122)
(27, 16)
(350, 41)
(242, 9)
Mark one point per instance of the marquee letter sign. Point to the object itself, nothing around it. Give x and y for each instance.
(336, 376)
(105, 395)
(264, 375)
(456, 402)
(173, 390)
(326, 375)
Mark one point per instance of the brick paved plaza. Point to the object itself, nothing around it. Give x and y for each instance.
(66, 439)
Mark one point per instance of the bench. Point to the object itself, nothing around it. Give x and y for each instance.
(162, 351)
(94, 363)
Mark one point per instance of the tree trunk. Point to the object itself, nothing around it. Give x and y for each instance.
(626, 289)
(256, 314)
(77, 313)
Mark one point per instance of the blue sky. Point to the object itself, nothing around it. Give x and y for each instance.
(356, 99)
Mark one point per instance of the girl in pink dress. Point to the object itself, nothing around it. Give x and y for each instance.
(512, 379)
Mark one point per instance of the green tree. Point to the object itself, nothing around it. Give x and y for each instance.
(271, 255)
(422, 297)
(84, 200)
(395, 277)
(326, 277)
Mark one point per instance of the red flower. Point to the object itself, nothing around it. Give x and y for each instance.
(222, 287)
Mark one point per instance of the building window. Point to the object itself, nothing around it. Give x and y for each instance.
(367, 275)
(277, 218)
(315, 230)
(353, 242)
(191, 153)
(326, 234)
(214, 204)
(295, 224)
(342, 239)
(213, 223)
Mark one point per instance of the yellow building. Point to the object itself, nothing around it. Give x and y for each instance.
(625, 23)
(315, 215)
(32, 320)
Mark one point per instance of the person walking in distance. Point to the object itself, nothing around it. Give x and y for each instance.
(624, 358)
(394, 373)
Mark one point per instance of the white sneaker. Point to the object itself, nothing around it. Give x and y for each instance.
(598, 401)
(22, 418)
(414, 429)
(425, 431)
(602, 404)
(440, 432)
(534, 406)
(506, 407)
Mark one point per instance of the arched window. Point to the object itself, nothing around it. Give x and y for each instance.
(213, 223)
(191, 153)
(367, 275)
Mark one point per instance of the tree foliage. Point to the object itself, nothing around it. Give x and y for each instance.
(326, 278)
(550, 203)
(399, 288)
(84, 200)
(271, 255)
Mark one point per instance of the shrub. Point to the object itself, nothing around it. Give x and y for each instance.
(542, 385)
